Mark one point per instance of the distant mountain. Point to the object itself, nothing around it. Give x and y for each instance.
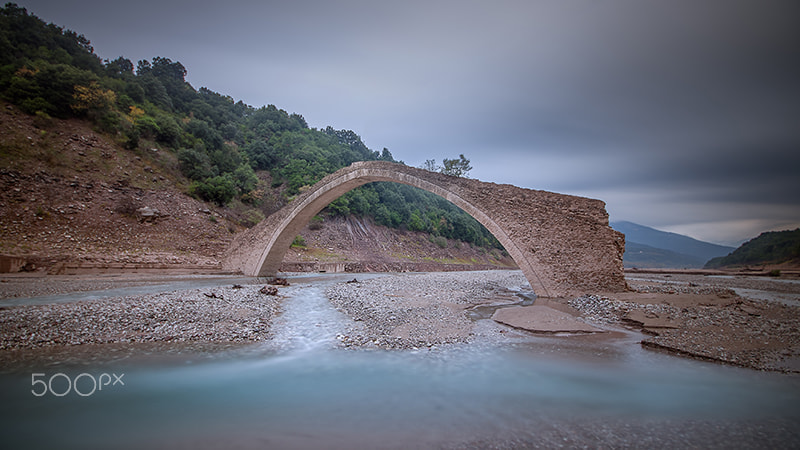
(648, 247)
(640, 255)
(773, 247)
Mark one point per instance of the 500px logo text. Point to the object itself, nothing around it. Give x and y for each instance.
(61, 384)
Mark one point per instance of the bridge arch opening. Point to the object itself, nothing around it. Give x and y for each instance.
(260, 250)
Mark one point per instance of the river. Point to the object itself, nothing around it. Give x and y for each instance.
(303, 391)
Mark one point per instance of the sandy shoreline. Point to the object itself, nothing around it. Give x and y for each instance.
(689, 315)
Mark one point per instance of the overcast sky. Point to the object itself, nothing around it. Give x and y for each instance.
(680, 115)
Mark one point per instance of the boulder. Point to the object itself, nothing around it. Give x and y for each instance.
(147, 214)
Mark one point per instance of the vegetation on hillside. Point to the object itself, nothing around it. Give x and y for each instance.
(774, 247)
(221, 144)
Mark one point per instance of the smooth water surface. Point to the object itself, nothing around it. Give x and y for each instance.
(302, 391)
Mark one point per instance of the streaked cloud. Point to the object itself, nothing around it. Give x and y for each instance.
(681, 115)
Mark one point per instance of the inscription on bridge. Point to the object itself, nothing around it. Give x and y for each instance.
(562, 243)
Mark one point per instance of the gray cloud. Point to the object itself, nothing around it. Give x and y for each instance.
(679, 114)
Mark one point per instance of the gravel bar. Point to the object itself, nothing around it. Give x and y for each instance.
(420, 310)
(222, 314)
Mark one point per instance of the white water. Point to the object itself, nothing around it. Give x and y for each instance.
(309, 322)
(301, 391)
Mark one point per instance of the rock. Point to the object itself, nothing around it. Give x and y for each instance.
(541, 319)
(648, 320)
(147, 214)
(269, 290)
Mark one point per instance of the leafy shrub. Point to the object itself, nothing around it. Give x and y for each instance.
(245, 178)
(440, 241)
(252, 217)
(220, 189)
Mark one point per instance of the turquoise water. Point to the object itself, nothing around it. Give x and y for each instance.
(302, 392)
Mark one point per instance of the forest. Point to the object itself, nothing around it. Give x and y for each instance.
(222, 145)
(772, 247)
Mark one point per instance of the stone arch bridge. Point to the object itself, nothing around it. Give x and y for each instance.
(562, 243)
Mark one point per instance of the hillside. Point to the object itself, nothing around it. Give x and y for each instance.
(648, 247)
(110, 161)
(768, 249)
(251, 159)
(69, 197)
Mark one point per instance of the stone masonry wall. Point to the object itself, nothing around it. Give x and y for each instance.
(563, 244)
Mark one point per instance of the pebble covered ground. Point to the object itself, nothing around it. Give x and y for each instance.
(411, 311)
(19, 286)
(742, 331)
(419, 310)
(223, 314)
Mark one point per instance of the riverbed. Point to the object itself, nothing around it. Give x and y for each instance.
(301, 388)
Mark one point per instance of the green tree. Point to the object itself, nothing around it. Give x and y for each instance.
(456, 167)
(119, 68)
(194, 163)
(386, 155)
(245, 178)
(430, 165)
